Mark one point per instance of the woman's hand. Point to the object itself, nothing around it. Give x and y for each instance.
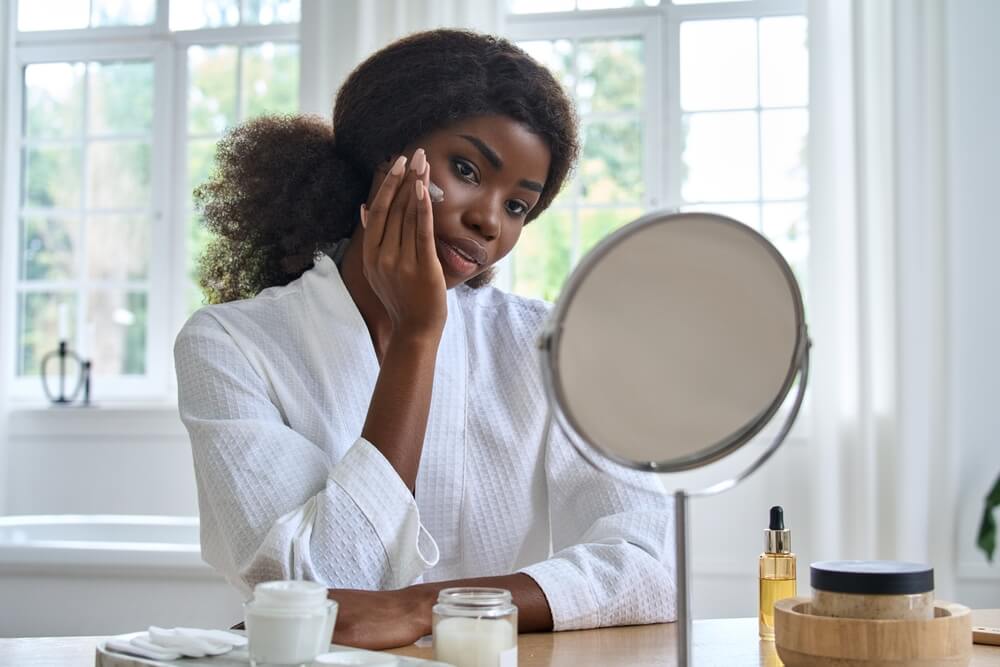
(400, 257)
(381, 619)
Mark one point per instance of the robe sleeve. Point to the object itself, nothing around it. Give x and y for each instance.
(273, 504)
(612, 538)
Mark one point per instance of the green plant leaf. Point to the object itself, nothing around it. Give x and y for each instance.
(987, 539)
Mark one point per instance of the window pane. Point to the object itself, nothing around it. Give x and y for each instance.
(119, 319)
(611, 167)
(121, 97)
(122, 12)
(557, 55)
(542, 259)
(718, 64)
(748, 214)
(118, 247)
(702, 2)
(786, 225)
(118, 173)
(784, 61)
(194, 14)
(610, 75)
(720, 156)
(52, 177)
(53, 100)
(270, 79)
(595, 225)
(537, 6)
(48, 248)
(211, 89)
(38, 330)
(266, 12)
(784, 136)
(201, 161)
(52, 14)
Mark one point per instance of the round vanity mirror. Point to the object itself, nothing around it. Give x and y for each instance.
(673, 343)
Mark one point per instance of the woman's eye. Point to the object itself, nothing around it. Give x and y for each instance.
(465, 170)
(517, 208)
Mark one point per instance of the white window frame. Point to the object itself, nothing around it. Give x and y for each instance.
(169, 262)
(659, 27)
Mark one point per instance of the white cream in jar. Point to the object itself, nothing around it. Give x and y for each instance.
(288, 623)
(475, 627)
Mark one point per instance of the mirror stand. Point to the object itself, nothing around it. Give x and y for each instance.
(681, 532)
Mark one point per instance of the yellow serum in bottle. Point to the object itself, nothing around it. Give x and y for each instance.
(776, 576)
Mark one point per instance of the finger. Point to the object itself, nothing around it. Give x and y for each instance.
(379, 208)
(408, 241)
(424, 229)
(401, 202)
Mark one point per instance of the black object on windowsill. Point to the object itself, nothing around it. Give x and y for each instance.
(81, 382)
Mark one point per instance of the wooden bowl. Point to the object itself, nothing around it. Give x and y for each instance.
(824, 641)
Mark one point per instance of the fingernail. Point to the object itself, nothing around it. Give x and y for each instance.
(364, 216)
(420, 190)
(419, 162)
(399, 166)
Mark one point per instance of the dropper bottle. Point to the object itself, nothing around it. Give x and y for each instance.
(777, 571)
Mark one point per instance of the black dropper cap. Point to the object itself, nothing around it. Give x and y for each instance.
(777, 518)
(777, 538)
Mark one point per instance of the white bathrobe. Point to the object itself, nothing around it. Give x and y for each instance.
(274, 392)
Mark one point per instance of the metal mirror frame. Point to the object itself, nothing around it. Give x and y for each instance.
(549, 345)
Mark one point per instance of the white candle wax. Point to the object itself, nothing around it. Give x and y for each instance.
(63, 321)
(475, 642)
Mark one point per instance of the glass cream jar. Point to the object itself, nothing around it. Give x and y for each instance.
(475, 627)
(872, 589)
(288, 623)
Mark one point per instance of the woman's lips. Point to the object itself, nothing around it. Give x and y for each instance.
(455, 259)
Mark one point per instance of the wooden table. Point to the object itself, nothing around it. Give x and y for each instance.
(722, 642)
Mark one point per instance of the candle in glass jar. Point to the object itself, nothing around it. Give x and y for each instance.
(475, 642)
(475, 627)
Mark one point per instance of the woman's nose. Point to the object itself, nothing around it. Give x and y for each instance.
(484, 217)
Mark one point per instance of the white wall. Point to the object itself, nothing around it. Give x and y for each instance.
(973, 72)
(102, 460)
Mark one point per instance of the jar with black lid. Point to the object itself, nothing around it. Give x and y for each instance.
(874, 589)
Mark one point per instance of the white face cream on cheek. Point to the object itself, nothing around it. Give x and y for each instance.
(436, 193)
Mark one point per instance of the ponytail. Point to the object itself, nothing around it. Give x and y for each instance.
(280, 193)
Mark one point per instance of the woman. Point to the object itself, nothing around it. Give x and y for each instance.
(372, 419)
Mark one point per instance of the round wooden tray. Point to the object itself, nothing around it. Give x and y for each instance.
(823, 641)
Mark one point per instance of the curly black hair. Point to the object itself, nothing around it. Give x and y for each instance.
(285, 187)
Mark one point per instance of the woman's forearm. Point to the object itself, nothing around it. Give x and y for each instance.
(400, 404)
(533, 611)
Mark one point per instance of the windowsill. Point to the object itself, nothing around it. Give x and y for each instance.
(106, 418)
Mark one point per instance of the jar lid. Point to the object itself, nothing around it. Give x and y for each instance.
(289, 595)
(473, 596)
(871, 577)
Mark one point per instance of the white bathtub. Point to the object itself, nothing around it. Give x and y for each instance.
(106, 574)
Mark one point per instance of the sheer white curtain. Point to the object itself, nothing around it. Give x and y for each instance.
(885, 476)
(6, 292)
(336, 36)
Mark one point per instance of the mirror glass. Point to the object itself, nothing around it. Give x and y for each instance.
(675, 341)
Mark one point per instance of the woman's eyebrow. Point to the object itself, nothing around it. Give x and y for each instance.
(494, 159)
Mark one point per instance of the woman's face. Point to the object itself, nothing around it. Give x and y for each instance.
(492, 170)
